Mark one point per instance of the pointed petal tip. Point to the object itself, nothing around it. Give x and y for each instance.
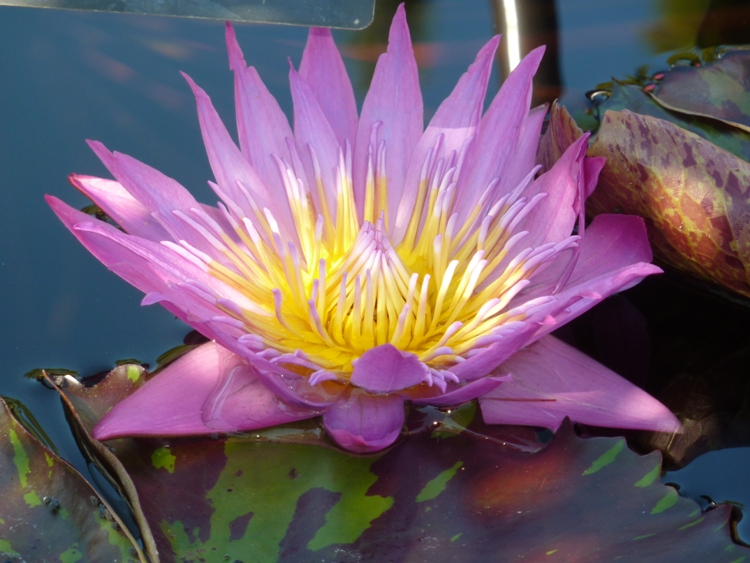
(579, 146)
(98, 148)
(201, 97)
(68, 215)
(104, 432)
(236, 58)
(79, 181)
(193, 86)
(399, 36)
(554, 380)
(534, 57)
(487, 52)
(538, 51)
(400, 12)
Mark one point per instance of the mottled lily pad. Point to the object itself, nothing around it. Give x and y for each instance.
(694, 196)
(48, 512)
(720, 90)
(449, 491)
(665, 144)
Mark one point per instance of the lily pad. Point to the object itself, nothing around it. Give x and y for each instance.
(48, 511)
(450, 490)
(85, 406)
(694, 196)
(720, 90)
(633, 98)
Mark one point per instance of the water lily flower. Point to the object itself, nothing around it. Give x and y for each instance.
(359, 262)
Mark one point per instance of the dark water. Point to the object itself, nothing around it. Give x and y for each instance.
(69, 76)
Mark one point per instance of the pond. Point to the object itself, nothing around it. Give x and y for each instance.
(71, 76)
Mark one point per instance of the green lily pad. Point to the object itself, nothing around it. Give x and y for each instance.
(450, 490)
(720, 90)
(48, 511)
(633, 98)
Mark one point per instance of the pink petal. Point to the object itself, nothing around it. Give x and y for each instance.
(385, 369)
(161, 195)
(149, 266)
(122, 207)
(289, 386)
(592, 167)
(103, 241)
(365, 423)
(457, 120)
(294, 391)
(614, 256)
(230, 167)
(458, 394)
(324, 71)
(226, 160)
(206, 391)
(553, 218)
(140, 269)
(488, 360)
(395, 101)
(499, 134)
(524, 157)
(552, 380)
(158, 193)
(313, 132)
(262, 126)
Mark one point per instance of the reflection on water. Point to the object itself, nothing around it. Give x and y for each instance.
(69, 76)
(698, 481)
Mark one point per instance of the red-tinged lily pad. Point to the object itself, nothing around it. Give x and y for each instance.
(720, 89)
(48, 512)
(451, 491)
(694, 196)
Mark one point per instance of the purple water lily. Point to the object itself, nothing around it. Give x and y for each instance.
(356, 263)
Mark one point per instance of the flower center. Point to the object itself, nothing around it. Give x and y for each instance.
(334, 286)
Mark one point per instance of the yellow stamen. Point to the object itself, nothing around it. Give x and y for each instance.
(336, 286)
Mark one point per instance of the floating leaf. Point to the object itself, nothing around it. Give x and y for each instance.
(694, 196)
(449, 492)
(633, 98)
(720, 90)
(86, 405)
(48, 511)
